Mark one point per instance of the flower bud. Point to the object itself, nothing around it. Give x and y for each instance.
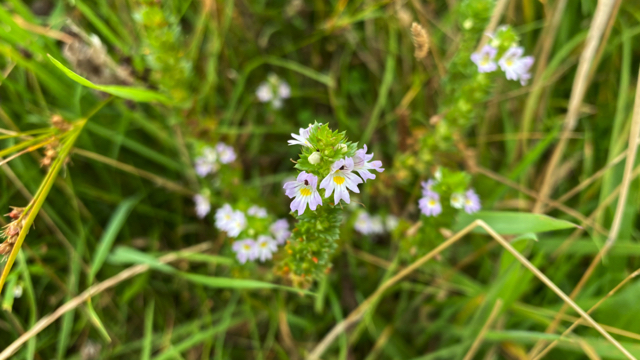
(315, 158)
(342, 147)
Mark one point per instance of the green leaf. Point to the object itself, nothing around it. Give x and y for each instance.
(110, 232)
(125, 92)
(513, 223)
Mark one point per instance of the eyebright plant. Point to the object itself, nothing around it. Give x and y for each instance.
(443, 197)
(327, 162)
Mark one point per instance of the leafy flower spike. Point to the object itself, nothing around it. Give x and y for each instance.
(340, 179)
(362, 164)
(305, 191)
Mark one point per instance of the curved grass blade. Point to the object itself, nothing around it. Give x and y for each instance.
(125, 92)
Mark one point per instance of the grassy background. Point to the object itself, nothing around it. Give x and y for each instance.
(350, 64)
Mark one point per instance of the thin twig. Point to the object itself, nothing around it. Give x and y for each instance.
(89, 293)
(496, 15)
(478, 341)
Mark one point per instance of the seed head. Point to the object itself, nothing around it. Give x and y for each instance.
(420, 41)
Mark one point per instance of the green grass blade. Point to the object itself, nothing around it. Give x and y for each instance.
(147, 342)
(125, 92)
(110, 233)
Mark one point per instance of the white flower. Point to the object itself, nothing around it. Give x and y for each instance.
(284, 90)
(391, 222)
(515, 66)
(362, 164)
(340, 179)
(305, 191)
(225, 153)
(280, 230)
(223, 217)
(202, 205)
(302, 138)
(457, 200)
(362, 223)
(264, 92)
(265, 247)
(257, 211)
(315, 157)
(377, 226)
(237, 224)
(233, 222)
(207, 162)
(245, 250)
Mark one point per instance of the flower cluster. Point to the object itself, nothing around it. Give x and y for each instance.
(247, 227)
(367, 224)
(430, 204)
(339, 179)
(511, 60)
(273, 90)
(330, 163)
(210, 158)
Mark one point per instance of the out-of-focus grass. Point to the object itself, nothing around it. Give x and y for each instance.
(350, 64)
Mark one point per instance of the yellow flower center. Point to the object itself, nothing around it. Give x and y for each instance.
(246, 247)
(338, 180)
(264, 244)
(432, 202)
(305, 192)
(509, 62)
(227, 217)
(485, 60)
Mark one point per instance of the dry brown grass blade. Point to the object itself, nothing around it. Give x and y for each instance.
(548, 38)
(592, 309)
(578, 90)
(628, 175)
(496, 15)
(89, 293)
(359, 312)
(478, 340)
